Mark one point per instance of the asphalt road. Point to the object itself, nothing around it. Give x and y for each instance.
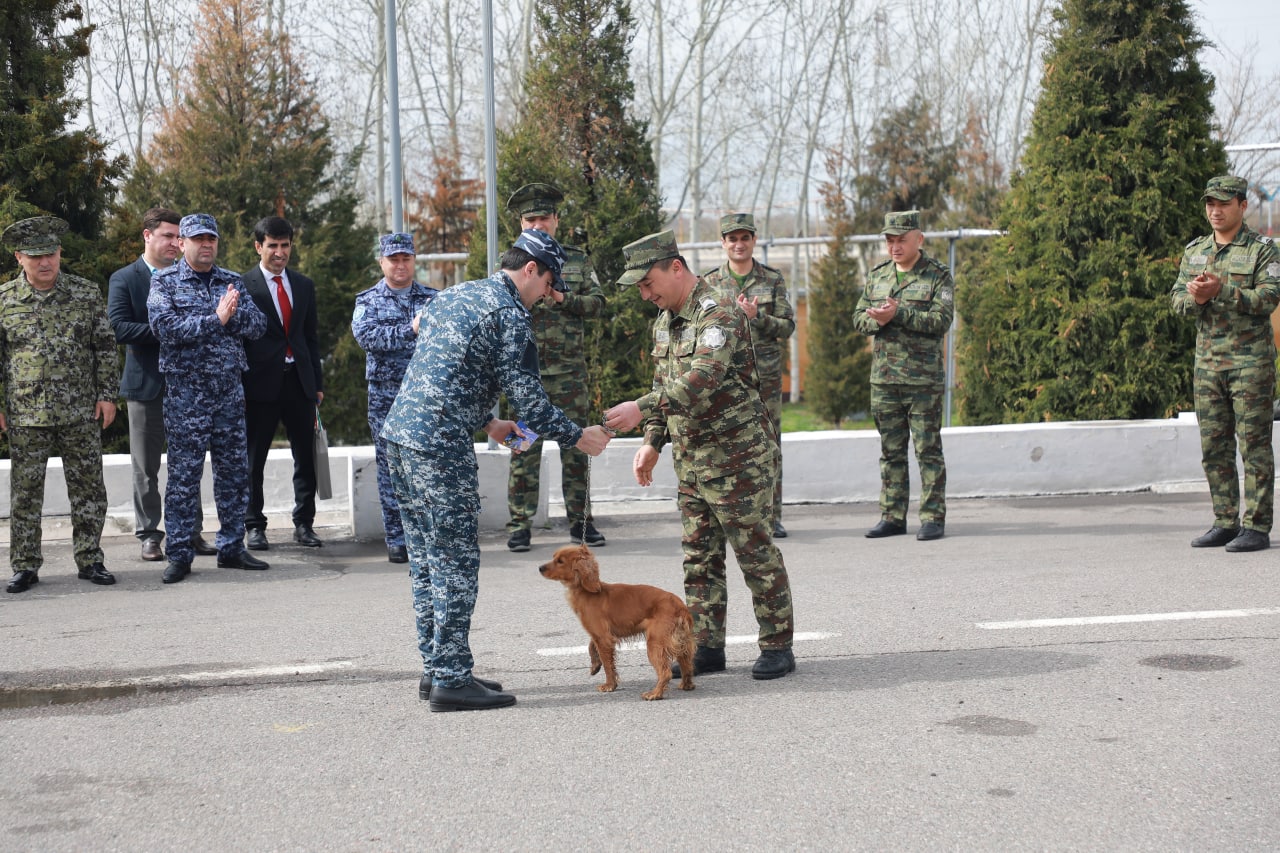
(933, 708)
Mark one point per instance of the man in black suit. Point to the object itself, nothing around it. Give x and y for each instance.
(284, 382)
(142, 383)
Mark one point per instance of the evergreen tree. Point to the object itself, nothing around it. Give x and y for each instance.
(574, 132)
(249, 140)
(1069, 317)
(44, 167)
(837, 384)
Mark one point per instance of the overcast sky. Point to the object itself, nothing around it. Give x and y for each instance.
(1236, 25)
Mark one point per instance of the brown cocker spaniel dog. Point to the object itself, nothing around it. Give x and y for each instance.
(617, 611)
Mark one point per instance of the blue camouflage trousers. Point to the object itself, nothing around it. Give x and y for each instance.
(440, 506)
(80, 446)
(195, 418)
(381, 396)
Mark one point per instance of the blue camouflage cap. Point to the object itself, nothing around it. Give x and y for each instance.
(38, 235)
(197, 223)
(395, 243)
(545, 248)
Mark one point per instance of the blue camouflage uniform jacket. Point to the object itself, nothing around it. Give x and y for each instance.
(474, 341)
(182, 311)
(383, 327)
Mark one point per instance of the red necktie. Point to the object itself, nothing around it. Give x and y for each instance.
(286, 311)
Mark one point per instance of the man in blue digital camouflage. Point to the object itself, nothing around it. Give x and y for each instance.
(1229, 281)
(58, 368)
(559, 327)
(475, 343)
(705, 399)
(201, 315)
(906, 308)
(385, 325)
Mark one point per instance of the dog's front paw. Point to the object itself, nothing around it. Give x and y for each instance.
(652, 695)
(607, 688)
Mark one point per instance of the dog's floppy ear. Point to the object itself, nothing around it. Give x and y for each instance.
(588, 570)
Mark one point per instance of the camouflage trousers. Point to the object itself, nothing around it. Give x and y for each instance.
(196, 418)
(732, 502)
(567, 391)
(80, 446)
(439, 503)
(771, 396)
(1236, 405)
(381, 396)
(915, 412)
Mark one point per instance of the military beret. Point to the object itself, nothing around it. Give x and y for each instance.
(545, 248)
(900, 222)
(535, 200)
(194, 224)
(646, 252)
(395, 243)
(737, 222)
(35, 236)
(1225, 188)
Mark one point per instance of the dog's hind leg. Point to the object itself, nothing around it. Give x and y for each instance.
(682, 649)
(658, 643)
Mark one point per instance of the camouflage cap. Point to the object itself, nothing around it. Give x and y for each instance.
(1225, 188)
(545, 248)
(395, 243)
(535, 200)
(646, 252)
(737, 222)
(197, 223)
(35, 236)
(901, 221)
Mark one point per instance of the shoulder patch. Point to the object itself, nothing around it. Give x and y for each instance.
(708, 303)
(1273, 270)
(713, 337)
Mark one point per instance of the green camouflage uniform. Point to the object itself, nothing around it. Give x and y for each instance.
(775, 322)
(560, 331)
(1235, 371)
(908, 381)
(57, 361)
(705, 401)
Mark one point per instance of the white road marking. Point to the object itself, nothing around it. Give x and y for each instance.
(1136, 617)
(633, 645)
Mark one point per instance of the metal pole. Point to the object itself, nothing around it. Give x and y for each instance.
(393, 114)
(490, 143)
(951, 334)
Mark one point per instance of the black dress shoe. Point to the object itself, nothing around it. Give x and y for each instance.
(424, 686)
(151, 550)
(243, 560)
(201, 547)
(1249, 540)
(22, 581)
(705, 660)
(887, 528)
(304, 535)
(97, 573)
(256, 539)
(397, 554)
(1215, 537)
(779, 532)
(473, 696)
(930, 530)
(175, 572)
(773, 663)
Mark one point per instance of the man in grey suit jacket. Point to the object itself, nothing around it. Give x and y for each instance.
(284, 383)
(142, 383)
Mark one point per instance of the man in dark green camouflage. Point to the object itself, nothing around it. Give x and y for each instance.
(560, 329)
(761, 293)
(58, 366)
(705, 400)
(906, 307)
(1229, 282)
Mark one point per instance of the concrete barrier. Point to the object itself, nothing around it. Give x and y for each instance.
(820, 467)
